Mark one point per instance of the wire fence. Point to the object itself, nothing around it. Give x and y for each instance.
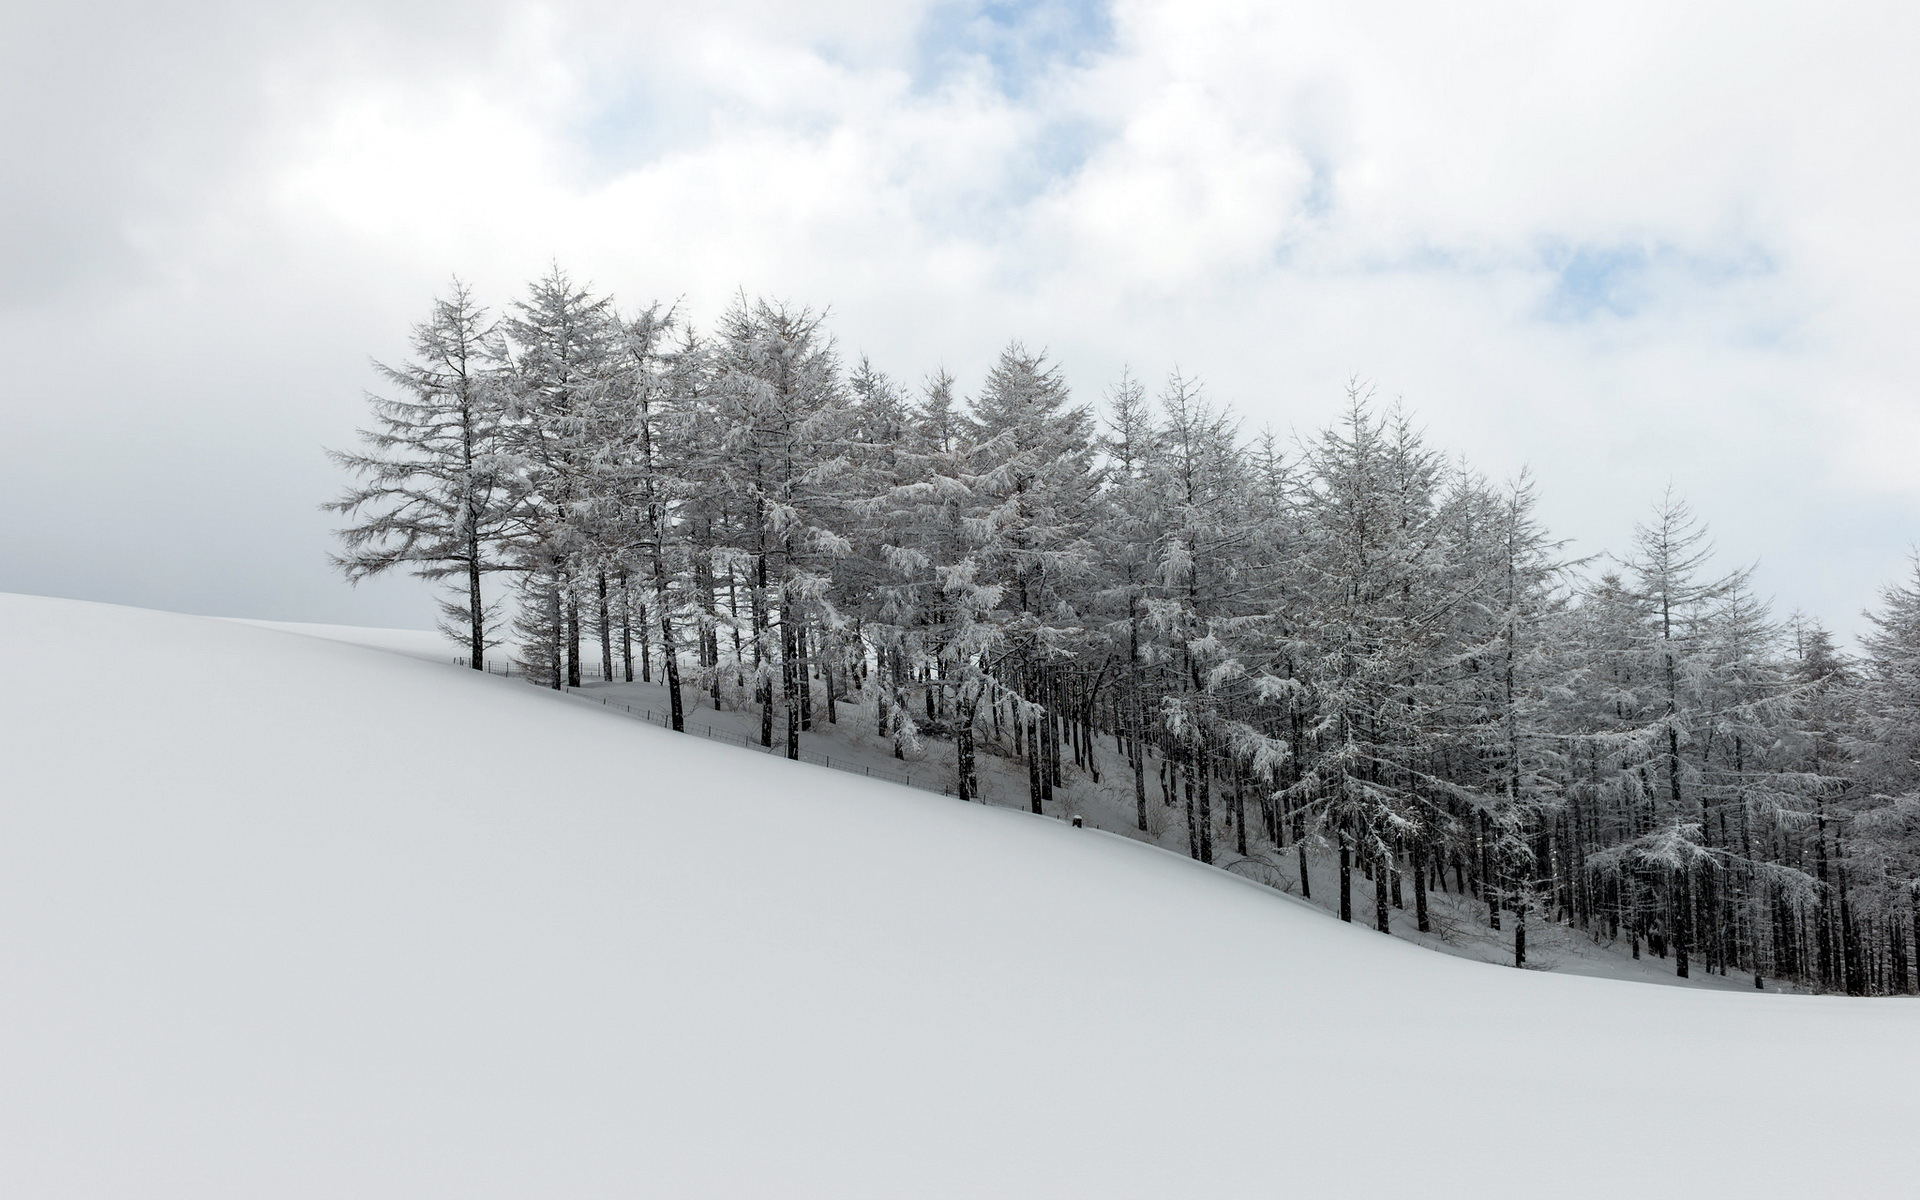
(924, 781)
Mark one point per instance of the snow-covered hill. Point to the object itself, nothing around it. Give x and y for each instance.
(286, 917)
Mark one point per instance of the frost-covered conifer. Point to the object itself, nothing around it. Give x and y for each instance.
(437, 496)
(1034, 473)
(779, 459)
(562, 343)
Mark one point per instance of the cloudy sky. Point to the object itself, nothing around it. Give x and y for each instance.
(1628, 244)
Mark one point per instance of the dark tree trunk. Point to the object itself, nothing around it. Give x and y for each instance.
(1420, 886)
(792, 678)
(1193, 815)
(1239, 802)
(1491, 894)
(476, 615)
(573, 635)
(1137, 753)
(646, 649)
(557, 622)
(1033, 765)
(1381, 870)
(605, 627)
(1205, 816)
(803, 677)
(963, 786)
(1682, 924)
(1346, 879)
(827, 679)
(669, 658)
(626, 628)
(1853, 970)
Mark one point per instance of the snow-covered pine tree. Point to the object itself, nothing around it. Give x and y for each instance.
(780, 415)
(886, 577)
(1373, 645)
(1884, 744)
(1034, 472)
(1496, 742)
(645, 418)
(436, 497)
(1660, 853)
(562, 343)
(1198, 604)
(1125, 536)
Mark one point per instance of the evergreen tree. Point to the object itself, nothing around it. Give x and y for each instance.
(437, 497)
(563, 360)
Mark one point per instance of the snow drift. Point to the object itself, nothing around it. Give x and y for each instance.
(285, 917)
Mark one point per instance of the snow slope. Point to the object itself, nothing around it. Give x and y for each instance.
(285, 917)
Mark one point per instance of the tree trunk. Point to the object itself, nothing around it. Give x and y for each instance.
(963, 749)
(557, 623)
(1420, 886)
(1137, 754)
(827, 679)
(1346, 878)
(669, 658)
(791, 678)
(1382, 868)
(573, 635)
(626, 628)
(803, 677)
(1204, 767)
(604, 625)
(1239, 802)
(1033, 765)
(476, 615)
(1682, 924)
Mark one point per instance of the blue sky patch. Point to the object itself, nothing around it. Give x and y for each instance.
(1020, 41)
(1623, 279)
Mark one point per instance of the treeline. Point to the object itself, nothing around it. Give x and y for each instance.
(1349, 643)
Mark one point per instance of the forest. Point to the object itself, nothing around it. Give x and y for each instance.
(1347, 643)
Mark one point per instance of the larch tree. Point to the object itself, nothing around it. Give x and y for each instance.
(562, 343)
(437, 496)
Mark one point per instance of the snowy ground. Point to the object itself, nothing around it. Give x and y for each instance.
(281, 916)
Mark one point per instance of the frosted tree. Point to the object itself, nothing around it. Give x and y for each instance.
(1884, 745)
(1670, 554)
(780, 413)
(1127, 532)
(1198, 602)
(942, 617)
(1498, 719)
(1034, 472)
(639, 483)
(437, 497)
(1372, 644)
(888, 576)
(562, 354)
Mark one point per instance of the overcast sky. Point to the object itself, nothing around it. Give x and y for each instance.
(1628, 244)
